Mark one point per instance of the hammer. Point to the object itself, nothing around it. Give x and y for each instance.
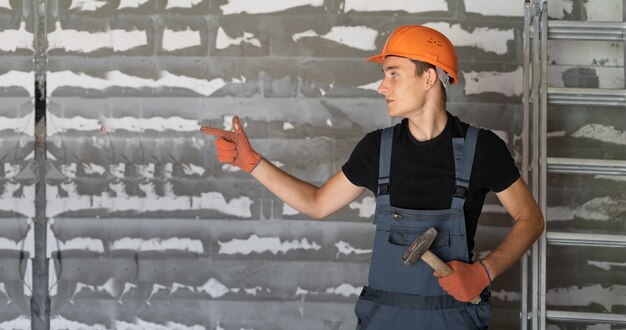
(419, 249)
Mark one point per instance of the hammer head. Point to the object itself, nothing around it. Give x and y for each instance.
(419, 246)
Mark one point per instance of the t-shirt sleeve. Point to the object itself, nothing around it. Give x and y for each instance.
(498, 170)
(362, 166)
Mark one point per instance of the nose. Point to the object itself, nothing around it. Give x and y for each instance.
(383, 88)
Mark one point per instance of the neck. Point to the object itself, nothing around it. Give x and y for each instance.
(428, 124)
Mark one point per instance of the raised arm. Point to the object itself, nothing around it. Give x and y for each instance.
(234, 148)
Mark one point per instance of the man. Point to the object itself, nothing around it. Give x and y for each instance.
(431, 170)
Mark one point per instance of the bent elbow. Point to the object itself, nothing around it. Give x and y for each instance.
(539, 225)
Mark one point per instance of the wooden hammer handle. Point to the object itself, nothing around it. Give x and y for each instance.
(441, 267)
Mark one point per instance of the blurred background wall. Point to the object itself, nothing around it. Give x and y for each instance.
(147, 230)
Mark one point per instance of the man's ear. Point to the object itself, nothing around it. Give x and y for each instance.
(431, 78)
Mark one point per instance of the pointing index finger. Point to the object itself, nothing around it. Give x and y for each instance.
(220, 133)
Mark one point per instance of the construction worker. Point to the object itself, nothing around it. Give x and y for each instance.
(430, 170)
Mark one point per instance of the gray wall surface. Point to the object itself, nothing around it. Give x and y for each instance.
(147, 230)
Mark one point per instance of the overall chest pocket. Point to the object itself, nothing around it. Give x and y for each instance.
(404, 236)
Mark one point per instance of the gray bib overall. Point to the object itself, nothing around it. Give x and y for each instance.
(402, 297)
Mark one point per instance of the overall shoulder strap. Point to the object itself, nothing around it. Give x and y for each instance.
(384, 164)
(464, 150)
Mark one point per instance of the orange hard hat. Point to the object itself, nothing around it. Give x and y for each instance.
(421, 43)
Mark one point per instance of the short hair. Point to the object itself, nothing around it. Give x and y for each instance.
(421, 67)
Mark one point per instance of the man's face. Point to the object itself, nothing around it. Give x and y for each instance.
(402, 87)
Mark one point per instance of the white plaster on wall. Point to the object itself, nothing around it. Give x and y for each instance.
(495, 8)
(214, 288)
(72, 40)
(181, 3)
(158, 244)
(256, 244)
(606, 265)
(18, 79)
(179, 286)
(60, 125)
(601, 133)
(140, 324)
(13, 40)
(69, 170)
(106, 287)
(558, 8)
(174, 40)
(409, 6)
(59, 322)
(594, 209)
(576, 53)
(19, 323)
(508, 296)
(118, 170)
(260, 7)
(23, 203)
(345, 290)
(371, 86)
(506, 83)
(120, 79)
(604, 10)
(131, 3)
(127, 288)
(490, 40)
(121, 201)
(92, 168)
(288, 210)
(586, 295)
(230, 168)
(88, 5)
(77, 243)
(366, 207)
(191, 170)
(155, 289)
(359, 37)
(346, 248)
(11, 170)
(5, 4)
(223, 41)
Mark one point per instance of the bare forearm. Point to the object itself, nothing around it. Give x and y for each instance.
(521, 237)
(519, 202)
(299, 194)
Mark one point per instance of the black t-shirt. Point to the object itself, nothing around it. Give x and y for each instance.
(423, 175)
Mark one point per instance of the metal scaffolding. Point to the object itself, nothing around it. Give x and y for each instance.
(537, 99)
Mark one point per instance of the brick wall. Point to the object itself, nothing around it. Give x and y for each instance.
(148, 230)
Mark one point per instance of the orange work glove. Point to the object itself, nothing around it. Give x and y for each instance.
(233, 146)
(466, 282)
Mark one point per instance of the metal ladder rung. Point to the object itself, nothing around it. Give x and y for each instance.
(586, 317)
(585, 30)
(587, 96)
(583, 239)
(586, 166)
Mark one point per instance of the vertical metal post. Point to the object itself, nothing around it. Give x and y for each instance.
(543, 166)
(525, 151)
(40, 301)
(535, 158)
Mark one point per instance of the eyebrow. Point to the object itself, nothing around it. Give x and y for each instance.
(391, 67)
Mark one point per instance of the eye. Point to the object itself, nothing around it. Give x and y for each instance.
(394, 75)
